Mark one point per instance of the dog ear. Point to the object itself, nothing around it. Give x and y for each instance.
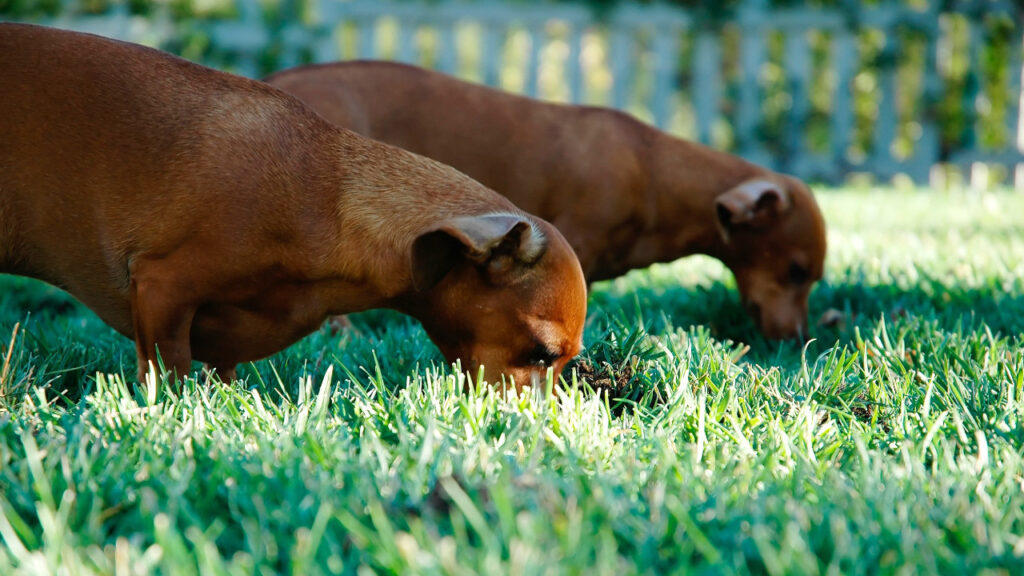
(500, 242)
(755, 204)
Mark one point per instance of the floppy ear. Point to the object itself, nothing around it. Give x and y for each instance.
(501, 242)
(755, 203)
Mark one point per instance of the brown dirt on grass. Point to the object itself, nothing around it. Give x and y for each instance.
(604, 378)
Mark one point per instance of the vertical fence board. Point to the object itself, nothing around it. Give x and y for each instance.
(574, 66)
(797, 63)
(1014, 121)
(706, 70)
(882, 159)
(926, 149)
(972, 96)
(367, 37)
(753, 46)
(326, 48)
(748, 115)
(1014, 127)
(844, 61)
(531, 88)
(491, 57)
(622, 65)
(447, 57)
(406, 37)
(666, 44)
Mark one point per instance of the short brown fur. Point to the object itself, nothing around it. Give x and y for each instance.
(215, 218)
(624, 194)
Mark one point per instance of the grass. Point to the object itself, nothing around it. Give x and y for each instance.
(890, 444)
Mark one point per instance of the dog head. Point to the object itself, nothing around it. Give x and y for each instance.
(503, 291)
(774, 243)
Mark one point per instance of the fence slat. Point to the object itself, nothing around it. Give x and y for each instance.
(1014, 127)
(574, 67)
(927, 148)
(327, 47)
(844, 59)
(666, 47)
(406, 33)
(447, 57)
(367, 38)
(748, 114)
(621, 65)
(882, 159)
(1014, 120)
(972, 95)
(537, 36)
(491, 53)
(706, 69)
(798, 68)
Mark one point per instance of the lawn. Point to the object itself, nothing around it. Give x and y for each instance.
(892, 443)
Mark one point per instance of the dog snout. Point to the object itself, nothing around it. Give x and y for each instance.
(778, 322)
(535, 378)
(753, 308)
(786, 327)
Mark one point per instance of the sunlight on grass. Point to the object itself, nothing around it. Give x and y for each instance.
(680, 440)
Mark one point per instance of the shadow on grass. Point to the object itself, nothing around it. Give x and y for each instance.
(850, 307)
(63, 345)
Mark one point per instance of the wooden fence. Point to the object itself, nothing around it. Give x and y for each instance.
(887, 89)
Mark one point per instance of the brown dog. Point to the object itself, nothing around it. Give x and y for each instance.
(624, 194)
(215, 218)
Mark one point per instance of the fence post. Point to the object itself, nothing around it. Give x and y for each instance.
(536, 30)
(972, 93)
(885, 121)
(844, 58)
(926, 149)
(797, 64)
(406, 50)
(448, 52)
(665, 67)
(367, 37)
(706, 73)
(1015, 118)
(752, 49)
(574, 74)
(491, 53)
(621, 64)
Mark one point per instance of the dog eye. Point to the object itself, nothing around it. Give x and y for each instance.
(542, 356)
(798, 274)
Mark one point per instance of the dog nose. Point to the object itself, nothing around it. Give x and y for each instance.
(754, 310)
(781, 327)
(797, 333)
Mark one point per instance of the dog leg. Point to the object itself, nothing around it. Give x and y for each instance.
(162, 322)
(226, 373)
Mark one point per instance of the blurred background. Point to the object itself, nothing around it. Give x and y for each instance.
(908, 92)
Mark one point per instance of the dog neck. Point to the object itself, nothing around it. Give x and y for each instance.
(388, 198)
(685, 178)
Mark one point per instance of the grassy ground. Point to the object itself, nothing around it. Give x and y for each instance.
(890, 444)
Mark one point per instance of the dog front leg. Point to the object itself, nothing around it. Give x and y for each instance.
(226, 372)
(162, 321)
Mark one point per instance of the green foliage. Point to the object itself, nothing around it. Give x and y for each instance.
(681, 441)
(29, 8)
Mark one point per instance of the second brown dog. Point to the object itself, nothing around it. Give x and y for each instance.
(624, 194)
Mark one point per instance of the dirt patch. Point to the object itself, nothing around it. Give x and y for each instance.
(605, 378)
